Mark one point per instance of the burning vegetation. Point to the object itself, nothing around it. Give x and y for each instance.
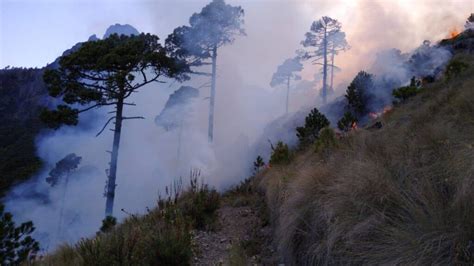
(453, 33)
(398, 196)
(401, 195)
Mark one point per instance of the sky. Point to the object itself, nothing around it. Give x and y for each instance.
(34, 32)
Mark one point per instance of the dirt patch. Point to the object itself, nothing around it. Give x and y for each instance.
(240, 238)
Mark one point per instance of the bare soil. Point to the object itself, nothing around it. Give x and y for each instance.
(241, 238)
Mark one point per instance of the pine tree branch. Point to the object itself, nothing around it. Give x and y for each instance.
(103, 128)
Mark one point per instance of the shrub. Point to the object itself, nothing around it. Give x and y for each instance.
(326, 141)
(199, 205)
(161, 237)
(346, 122)
(280, 154)
(149, 240)
(400, 196)
(108, 223)
(454, 68)
(258, 164)
(403, 93)
(314, 122)
(16, 244)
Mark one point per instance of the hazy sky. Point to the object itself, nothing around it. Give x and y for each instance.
(34, 32)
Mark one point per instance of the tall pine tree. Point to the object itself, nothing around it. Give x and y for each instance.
(216, 25)
(323, 39)
(105, 73)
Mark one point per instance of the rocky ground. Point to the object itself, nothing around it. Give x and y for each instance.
(241, 237)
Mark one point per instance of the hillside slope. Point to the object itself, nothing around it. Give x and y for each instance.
(401, 194)
(22, 93)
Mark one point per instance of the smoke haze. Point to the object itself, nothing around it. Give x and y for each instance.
(245, 104)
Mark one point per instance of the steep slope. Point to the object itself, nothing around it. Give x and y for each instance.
(401, 194)
(22, 93)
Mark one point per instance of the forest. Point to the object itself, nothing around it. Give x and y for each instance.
(333, 160)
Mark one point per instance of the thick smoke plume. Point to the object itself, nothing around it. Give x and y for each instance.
(248, 111)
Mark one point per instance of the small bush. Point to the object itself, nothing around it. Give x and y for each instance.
(199, 205)
(404, 93)
(454, 68)
(258, 164)
(346, 122)
(326, 141)
(108, 223)
(150, 240)
(161, 237)
(314, 122)
(280, 154)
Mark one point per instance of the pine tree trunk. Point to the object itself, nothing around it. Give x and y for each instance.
(110, 193)
(325, 66)
(332, 66)
(61, 210)
(287, 94)
(178, 152)
(213, 96)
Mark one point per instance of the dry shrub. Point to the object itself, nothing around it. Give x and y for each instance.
(400, 195)
(161, 237)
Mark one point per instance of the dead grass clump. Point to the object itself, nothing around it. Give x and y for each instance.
(160, 237)
(400, 195)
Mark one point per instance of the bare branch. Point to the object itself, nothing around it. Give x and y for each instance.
(103, 128)
(201, 73)
(133, 117)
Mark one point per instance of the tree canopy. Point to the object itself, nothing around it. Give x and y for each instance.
(176, 108)
(324, 31)
(286, 71)
(102, 71)
(314, 122)
(324, 38)
(216, 25)
(63, 167)
(105, 73)
(16, 243)
(358, 94)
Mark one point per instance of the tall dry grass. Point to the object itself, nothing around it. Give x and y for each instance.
(403, 194)
(160, 237)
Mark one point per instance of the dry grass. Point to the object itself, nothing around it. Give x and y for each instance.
(403, 194)
(147, 240)
(161, 237)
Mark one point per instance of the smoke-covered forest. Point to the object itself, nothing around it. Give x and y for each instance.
(236, 132)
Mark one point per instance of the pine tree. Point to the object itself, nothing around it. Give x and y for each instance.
(16, 243)
(216, 25)
(358, 94)
(314, 122)
(347, 122)
(62, 170)
(324, 39)
(105, 73)
(285, 73)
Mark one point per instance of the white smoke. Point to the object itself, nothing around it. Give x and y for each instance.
(245, 105)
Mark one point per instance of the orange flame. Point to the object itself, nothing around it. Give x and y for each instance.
(354, 125)
(375, 115)
(453, 33)
(387, 109)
